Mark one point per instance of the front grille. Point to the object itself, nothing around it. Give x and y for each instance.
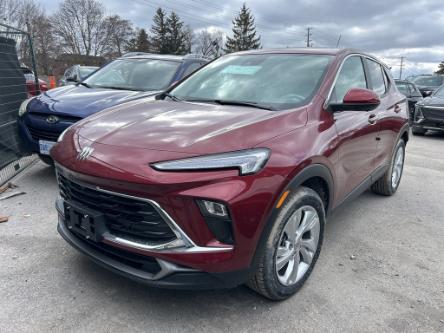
(124, 217)
(61, 118)
(433, 114)
(38, 134)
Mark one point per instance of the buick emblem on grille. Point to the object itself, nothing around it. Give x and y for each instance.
(52, 119)
(85, 153)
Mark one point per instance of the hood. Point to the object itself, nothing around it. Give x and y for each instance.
(80, 101)
(432, 101)
(187, 127)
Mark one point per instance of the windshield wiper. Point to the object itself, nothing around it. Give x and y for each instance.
(117, 88)
(240, 103)
(84, 84)
(174, 98)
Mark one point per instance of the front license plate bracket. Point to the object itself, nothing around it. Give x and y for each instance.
(84, 222)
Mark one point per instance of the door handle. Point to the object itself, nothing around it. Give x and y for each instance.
(372, 118)
(397, 108)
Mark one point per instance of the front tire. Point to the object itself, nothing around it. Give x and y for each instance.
(388, 184)
(293, 246)
(47, 160)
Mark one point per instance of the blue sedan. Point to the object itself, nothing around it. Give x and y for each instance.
(43, 118)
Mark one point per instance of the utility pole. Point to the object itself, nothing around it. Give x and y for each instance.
(401, 67)
(339, 40)
(309, 36)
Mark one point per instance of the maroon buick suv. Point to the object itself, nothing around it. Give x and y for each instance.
(229, 176)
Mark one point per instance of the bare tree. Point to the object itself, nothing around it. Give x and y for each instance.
(46, 48)
(80, 26)
(119, 31)
(209, 43)
(9, 11)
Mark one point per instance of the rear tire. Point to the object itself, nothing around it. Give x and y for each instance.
(389, 182)
(286, 262)
(47, 160)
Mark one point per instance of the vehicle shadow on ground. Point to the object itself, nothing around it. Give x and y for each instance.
(434, 135)
(44, 173)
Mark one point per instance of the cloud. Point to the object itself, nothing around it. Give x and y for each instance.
(389, 29)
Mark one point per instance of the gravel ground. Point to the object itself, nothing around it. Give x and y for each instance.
(381, 270)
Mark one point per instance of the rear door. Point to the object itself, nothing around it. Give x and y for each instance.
(390, 113)
(357, 130)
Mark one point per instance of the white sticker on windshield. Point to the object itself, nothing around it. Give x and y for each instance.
(241, 70)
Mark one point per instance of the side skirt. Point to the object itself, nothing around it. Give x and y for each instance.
(361, 188)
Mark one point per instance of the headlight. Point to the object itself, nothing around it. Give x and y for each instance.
(60, 138)
(247, 161)
(24, 106)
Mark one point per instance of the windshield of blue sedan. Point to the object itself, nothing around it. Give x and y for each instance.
(134, 74)
(275, 81)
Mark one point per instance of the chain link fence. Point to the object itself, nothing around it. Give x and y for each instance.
(18, 81)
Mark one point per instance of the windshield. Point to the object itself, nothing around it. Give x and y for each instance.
(439, 93)
(432, 81)
(134, 74)
(276, 81)
(85, 71)
(403, 88)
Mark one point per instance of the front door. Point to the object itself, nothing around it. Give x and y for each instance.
(357, 131)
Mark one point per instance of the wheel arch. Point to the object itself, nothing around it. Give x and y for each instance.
(310, 175)
(319, 178)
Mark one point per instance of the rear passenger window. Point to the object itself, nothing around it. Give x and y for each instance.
(377, 80)
(351, 76)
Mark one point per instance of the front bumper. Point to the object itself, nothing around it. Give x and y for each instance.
(34, 128)
(429, 118)
(169, 275)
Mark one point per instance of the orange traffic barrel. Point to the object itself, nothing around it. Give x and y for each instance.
(52, 81)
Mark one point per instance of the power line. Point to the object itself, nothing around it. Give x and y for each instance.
(201, 20)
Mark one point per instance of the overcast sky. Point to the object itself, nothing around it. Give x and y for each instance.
(387, 28)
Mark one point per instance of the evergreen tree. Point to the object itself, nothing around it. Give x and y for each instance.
(140, 43)
(440, 68)
(159, 31)
(176, 35)
(143, 44)
(244, 33)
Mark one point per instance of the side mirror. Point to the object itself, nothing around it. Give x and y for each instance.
(427, 93)
(72, 78)
(357, 99)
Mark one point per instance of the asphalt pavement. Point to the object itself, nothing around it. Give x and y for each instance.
(381, 269)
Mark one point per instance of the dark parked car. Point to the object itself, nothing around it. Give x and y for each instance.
(30, 82)
(76, 74)
(429, 113)
(411, 91)
(44, 118)
(427, 84)
(230, 175)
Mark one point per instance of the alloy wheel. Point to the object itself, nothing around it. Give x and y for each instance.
(398, 165)
(297, 245)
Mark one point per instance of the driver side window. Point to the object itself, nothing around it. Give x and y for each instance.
(351, 76)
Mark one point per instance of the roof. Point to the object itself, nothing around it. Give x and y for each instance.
(312, 50)
(143, 55)
(301, 50)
